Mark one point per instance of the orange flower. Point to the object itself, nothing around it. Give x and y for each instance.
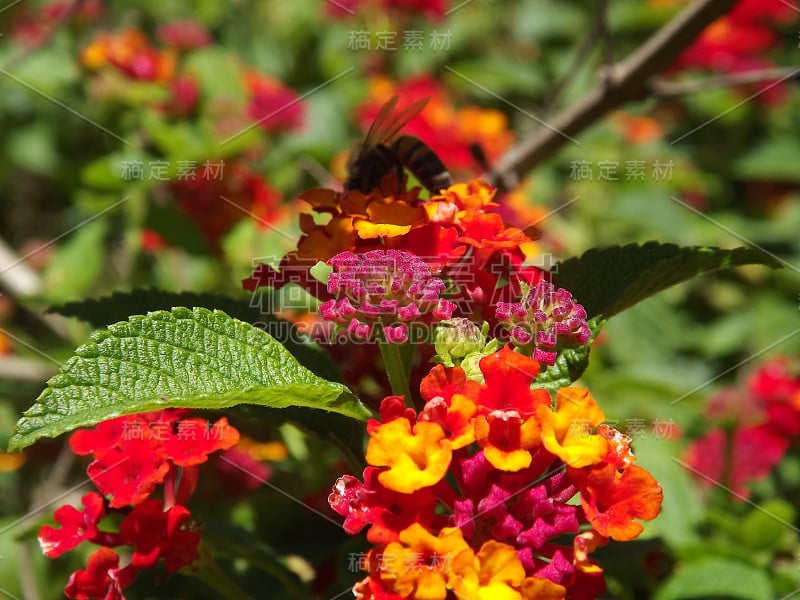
(613, 499)
(497, 574)
(508, 377)
(454, 416)
(356, 217)
(507, 439)
(475, 194)
(388, 217)
(637, 129)
(566, 431)
(421, 565)
(417, 456)
(130, 51)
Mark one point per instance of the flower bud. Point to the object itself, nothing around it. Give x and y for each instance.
(455, 338)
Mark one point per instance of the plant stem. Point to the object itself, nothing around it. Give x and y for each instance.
(397, 360)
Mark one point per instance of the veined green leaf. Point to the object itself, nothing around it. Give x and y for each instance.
(192, 358)
(606, 281)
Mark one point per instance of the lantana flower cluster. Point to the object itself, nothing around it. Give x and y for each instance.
(544, 321)
(741, 40)
(133, 455)
(751, 429)
(457, 233)
(386, 288)
(213, 193)
(472, 495)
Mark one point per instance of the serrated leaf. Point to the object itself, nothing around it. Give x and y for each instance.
(182, 358)
(100, 312)
(717, 578)
(606, 281)
(104, 311)
(570, 363)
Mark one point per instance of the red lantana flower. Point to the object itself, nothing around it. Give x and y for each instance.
(76, 526)
(158, 534)
(102, 578)
(755, 428)
(133, 454)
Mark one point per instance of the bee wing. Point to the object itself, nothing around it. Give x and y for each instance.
(388, 124)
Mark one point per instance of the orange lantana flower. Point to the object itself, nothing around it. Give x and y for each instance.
(421, 565)
(417, 456)
(566, 432)
(613, 499)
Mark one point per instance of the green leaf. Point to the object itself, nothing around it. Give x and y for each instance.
(606, 281)
(768, 525)
(570, 364)
(77, 263)
(104, 311)
(172, 225)
(772, 160)
(717, 578)
(182, 358)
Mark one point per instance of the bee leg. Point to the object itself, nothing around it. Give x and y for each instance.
(399, 172)
(479, 156)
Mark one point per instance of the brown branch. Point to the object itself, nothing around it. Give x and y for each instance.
(669, 89)
(621, 83)
(598, 31)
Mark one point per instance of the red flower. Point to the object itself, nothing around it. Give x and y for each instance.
(130, 473)
(386, 511)
(76, 526)
(236, 473)
(432, 9)
(102, 579)
(449, 131)
(194, 440)
(777, 391)
(133, 454)
(216, 199)
(157, 534)
(184, 93)
(184, 35)
(739, 40)
(508, 377)
(130, 52)
(274, 106)
(750, 456)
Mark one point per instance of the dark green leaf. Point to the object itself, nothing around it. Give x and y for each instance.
(182, 358)
(609, 280)
(175, 227)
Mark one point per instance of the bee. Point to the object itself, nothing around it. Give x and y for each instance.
(384, 151)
